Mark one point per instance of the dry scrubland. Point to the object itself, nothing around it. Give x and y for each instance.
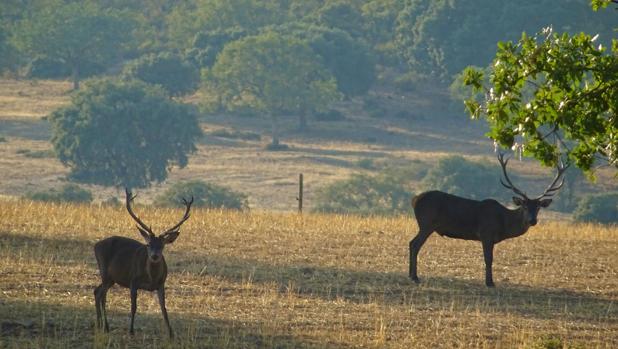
(275, 280)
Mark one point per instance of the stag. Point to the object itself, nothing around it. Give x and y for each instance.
(486, 221)
(134, 265)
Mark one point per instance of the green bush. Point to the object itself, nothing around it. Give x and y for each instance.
(600, 208)
(204, 195)
(68, 193)
(470, 179)
(365, 195)
(169, 70)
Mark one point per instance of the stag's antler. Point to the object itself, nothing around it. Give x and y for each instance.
(553, 188)
(510, 184)
(129, 199)
(184, 218)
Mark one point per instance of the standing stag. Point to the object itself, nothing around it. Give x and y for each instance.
(131, 264)
(486, 221)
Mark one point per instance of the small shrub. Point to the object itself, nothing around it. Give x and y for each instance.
(3, 140)
(330, 115)
(366, 163)
(204, 195)
(374, 108)
(470, 179)
(68, 193)
(365, 195)
(166, 69)
(600, 208)
(276, 147)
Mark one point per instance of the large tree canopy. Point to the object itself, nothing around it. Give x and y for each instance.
(77, 33)
(440, 38)
(271, 74)
(552, 95)
(123, 133)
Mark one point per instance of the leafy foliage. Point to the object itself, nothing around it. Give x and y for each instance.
(67, 193)
(274, 74)
(365, 195)
(347, 58)
(208, 44)
(169, 70)
(601, 208)
(123, 133)
(572, 108)
(204, 195)
(470, 179)
(440, 38)
(76, 33)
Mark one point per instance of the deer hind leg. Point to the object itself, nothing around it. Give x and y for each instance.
(133, 307)
(415, 247)
(488, 253)
(100, 299)
(161, 294)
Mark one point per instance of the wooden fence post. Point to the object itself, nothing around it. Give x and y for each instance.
(299, 198)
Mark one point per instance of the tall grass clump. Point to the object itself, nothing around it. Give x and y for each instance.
(67, 193)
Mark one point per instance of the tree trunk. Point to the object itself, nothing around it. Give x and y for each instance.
(275, 131)
(75, 76)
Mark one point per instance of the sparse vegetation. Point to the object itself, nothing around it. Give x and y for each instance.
(459, 176)
(365, 195)
(204, 194)
(67, 193)
(600, 208)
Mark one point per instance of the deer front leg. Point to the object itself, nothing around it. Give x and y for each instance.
(415, 247)
(133, 306)
(161, 294)
(488, 253)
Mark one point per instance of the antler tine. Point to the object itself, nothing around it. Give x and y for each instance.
(184, 217)
(510, 184)
(129, 199)
(553, 188)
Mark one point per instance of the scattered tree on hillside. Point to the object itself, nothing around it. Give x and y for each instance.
(123, 133)
(76, 32)
(349, 60)
(272, 74)
(170, 71)
(552, 94)
(440, 38)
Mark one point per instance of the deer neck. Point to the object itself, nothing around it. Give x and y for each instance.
(516, 222)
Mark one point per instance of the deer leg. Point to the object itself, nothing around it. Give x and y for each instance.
(488, 253)
(161, 294)
(415, 247)
(133, 306)
(97, 302)
(103, 303)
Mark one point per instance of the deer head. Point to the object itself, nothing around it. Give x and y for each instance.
(532, 206)
(155, 243)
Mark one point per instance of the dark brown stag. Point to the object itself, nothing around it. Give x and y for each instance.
(486, 221)
(131, 264)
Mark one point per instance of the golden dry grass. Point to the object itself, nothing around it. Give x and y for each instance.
(275, 280)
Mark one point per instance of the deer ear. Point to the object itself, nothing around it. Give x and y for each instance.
(144, 233)
(518, 201)
(545, 202)
(170, 237)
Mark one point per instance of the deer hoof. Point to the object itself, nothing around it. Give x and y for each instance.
(415, 279)
(490, 284)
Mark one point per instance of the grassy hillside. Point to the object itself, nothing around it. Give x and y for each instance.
(274, 280)
(328, 151)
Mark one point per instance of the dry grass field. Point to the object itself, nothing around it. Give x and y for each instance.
(271, 279)
(281, 280)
